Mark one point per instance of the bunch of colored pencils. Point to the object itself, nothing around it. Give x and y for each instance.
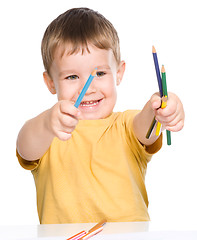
(84, 235)
(161, 78)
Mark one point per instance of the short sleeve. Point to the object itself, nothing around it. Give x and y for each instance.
(28, 165)
(156, 146)
(148, 150)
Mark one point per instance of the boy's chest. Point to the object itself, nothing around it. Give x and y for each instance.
(95, 152)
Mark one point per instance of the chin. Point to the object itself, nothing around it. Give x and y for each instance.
(90, 117)
(94, 116)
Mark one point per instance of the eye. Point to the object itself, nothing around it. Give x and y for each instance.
(100, 74)
(72, 77)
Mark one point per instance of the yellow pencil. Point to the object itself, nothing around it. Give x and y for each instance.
(163, 105)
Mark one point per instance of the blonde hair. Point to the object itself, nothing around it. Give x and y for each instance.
(77, 28)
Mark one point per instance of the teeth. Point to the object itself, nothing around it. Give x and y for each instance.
(88, 103)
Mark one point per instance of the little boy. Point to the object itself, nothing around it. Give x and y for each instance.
(89, 163)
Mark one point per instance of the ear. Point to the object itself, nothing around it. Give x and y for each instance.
(120, 72)
(49, 83)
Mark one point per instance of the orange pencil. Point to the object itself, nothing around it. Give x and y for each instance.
(92, 233)
(87, 234)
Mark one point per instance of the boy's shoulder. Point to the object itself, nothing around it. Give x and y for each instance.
(126, 115)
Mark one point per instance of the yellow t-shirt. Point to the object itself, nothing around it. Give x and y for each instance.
(98, 173)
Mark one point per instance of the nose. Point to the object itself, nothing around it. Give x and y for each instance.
(91, 89)
(89, 85)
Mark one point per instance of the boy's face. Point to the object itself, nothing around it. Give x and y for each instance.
(69, 74)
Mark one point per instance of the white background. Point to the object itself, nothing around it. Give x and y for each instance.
(171, 26)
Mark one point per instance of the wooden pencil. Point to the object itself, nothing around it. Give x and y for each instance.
(101, 223)
(163, 105)
(165, 92)
(151, 128)
(157, 70)
(85, 88)
(160, 89)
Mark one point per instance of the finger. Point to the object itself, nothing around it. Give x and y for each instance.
(170, 109)
(174, 105)
(168, 114)
(172, 123)
(63, 136)
(67, 107)
(177, 127)
(67, 123)
(155, 101)
(165, 119)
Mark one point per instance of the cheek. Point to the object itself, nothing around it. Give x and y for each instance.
(66, 92)
(110, 88)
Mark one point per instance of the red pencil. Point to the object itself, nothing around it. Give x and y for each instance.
(77, 236)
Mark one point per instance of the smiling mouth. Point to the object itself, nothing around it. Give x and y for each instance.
(89, 103)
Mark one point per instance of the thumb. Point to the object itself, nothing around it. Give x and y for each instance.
(155, 101)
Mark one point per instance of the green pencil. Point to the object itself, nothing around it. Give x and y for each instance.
(165, 93)
(151, 128)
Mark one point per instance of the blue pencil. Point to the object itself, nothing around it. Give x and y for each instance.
(160, 88)
(157, 71)
(85, 88)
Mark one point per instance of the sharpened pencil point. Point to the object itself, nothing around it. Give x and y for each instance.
(163, 69)
(153, 49)
(94, 72)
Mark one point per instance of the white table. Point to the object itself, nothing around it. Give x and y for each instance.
(112, 231)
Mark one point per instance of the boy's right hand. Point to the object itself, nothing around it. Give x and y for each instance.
(62, 119)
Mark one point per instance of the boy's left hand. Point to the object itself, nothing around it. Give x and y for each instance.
(172, 117)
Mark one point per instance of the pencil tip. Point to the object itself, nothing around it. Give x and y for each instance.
(153, 49)
(162, 69)
(94, 72)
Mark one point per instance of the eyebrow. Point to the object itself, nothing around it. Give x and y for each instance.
(69, 71)
(103, 66)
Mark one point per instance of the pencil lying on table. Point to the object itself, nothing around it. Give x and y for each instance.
(100, 224)
(92, 233)
(84, 235)
(77, 236)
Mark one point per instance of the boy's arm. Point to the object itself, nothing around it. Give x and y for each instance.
(171, 117)
(37, 134)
